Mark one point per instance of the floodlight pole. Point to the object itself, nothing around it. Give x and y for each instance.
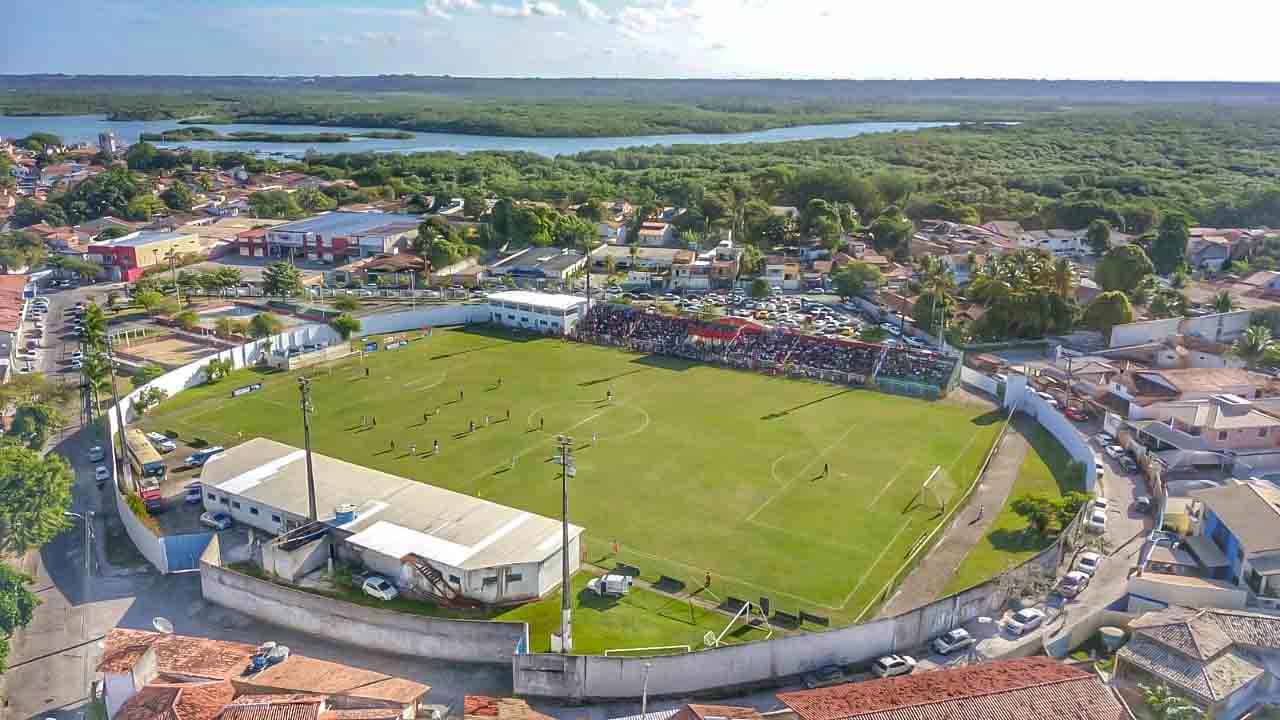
(304, 387)
(566, 608)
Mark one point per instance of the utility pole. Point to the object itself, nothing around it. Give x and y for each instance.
(644, 692)
(87, 517)
(304, 387)
(566, 590)
(115, 400)
(173, 271)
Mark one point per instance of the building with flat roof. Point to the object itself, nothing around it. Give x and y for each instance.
(1243, 521)
(126, 257)
(540, 312)
(548, 263)
(481, 550)
(333, 236)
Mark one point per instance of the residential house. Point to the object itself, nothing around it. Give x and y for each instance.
(549, 263)
(1243, 521)
(13, 306)
(1208, 253)
(161, 676)
(726, 264)
(1140, 388)
(655, 234)
(1227, 662)
(641, 258)
(483, 707)
(1034, 688)
(1220, 424)
(782, 272)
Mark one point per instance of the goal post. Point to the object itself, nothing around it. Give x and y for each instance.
(933, 494)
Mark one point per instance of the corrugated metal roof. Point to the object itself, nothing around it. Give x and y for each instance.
(471, 532)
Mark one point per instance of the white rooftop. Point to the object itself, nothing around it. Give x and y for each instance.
(395, 516)
(542, 300)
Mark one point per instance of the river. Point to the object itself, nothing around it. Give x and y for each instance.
(85, 128)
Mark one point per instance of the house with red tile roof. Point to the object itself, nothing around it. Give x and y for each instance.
(483, 707)
(157, 676)
(1036, 688)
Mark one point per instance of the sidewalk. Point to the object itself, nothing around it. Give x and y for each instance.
(927, 581)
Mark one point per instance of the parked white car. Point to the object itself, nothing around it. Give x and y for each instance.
(216, 520)
(891, 665)
(952, 641)
(161, 442)
(378, 587)
(1114, 451)
(101, 473)
(1073, 583)
(1024, 621)
(1088, 562)
(1097, 521)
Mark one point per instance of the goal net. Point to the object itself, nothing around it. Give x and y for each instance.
(935, 493)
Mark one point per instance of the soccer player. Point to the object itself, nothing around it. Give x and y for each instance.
(435, 447)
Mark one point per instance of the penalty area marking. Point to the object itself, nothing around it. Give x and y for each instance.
(802, 471)
(412, 385)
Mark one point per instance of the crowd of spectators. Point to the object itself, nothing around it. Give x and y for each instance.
(757, 348)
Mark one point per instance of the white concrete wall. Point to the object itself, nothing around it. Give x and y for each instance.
(1061, 428)
(1197, 595)
(438, 315)
(980, 381)
(1219, 327)
(365, 627)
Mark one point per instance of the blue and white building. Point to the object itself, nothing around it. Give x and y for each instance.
(1243, 521)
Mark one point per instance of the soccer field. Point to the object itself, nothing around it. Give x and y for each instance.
(690, 468)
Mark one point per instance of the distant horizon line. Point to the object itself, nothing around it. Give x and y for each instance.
(631, 78)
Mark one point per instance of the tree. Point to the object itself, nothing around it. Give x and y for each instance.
(1099, 236)
(473, 204)
(1166, 705)
(216, 369)
(759, 289)
(35, 489)
(264, 325)
(17, 606)
(29, 212)
(346, 303)
(1068, 506)
(1038, 509)
(1168, 303)
(345, 325)
(1023, 293)
(144, 207)
(147, 374)
(179, 197)
(276, 204)
(281, 279)
(313, 200)
(1123, 268)
(1254, 344)
(1108, 310)
(856, 278)
(187, 320)
(33, 423)
(1223, 302)
(149, 398)
(157, 303)
(1169, 249)
(932, 309)
(891, 231)
(83, 268)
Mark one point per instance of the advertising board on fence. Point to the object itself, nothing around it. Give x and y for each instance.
(371, 347)
(246, 389)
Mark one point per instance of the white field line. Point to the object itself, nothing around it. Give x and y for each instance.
(879, 558)
(902, 471)
(809, 539)
(817, 457)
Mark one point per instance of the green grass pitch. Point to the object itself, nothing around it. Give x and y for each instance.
(691, 468)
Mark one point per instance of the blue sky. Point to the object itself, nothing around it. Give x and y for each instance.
(1085, 39)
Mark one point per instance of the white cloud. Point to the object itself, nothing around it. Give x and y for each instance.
(591, 10)
(445, 9)
(527, 8)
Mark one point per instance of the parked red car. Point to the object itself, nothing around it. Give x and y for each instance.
(1076, 414)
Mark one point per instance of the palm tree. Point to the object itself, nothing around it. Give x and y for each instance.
(1254, 344)
(1223, 302)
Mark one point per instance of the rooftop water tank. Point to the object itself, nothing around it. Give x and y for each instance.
(344, 514)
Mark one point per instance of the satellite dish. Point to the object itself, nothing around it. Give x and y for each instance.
(709, 639)
(163, 625)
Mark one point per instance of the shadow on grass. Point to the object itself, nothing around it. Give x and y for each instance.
(783, 413)
(989, 418)
(598, 381)
(1018, 541)
(1051, 451)
(444, 356)
(499, 333)
(667, 363)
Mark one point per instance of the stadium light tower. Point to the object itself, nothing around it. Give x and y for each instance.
(304, 387)
(566, 608)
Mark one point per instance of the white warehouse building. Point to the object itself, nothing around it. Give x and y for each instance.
(540, 312)
(417, 535)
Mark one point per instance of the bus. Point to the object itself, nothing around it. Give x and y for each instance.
(146, 461)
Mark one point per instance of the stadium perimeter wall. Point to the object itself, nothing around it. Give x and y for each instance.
(471, 641)
(1020, 392)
